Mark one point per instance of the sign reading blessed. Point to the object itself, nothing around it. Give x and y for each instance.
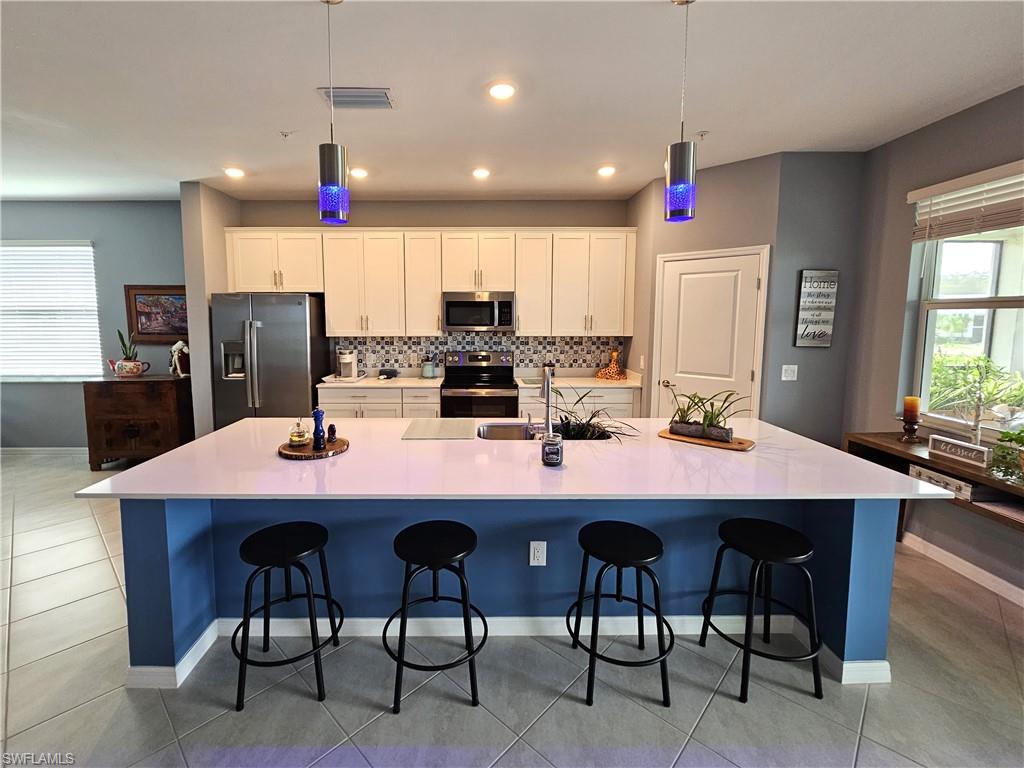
(817, 308)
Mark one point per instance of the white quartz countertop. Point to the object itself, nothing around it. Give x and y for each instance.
(580, 383)
(399, 382)
(241, 462)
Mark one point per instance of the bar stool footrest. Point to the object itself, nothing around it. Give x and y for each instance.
(570, 617)
(258, 611)
(811, 654)
(436, 667)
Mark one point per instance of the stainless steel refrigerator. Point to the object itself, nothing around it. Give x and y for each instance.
(269, 353)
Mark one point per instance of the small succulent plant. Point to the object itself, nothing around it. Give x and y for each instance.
(128, 349)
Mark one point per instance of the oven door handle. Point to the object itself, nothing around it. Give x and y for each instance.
(479, 393)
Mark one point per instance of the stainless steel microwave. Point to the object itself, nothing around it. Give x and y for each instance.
(479, 311)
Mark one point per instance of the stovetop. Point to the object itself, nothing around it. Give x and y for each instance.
(479, 369)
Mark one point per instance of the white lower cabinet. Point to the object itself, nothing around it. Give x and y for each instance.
(421, 403)
(617, 403)
(420, 411)
(336, 411)
(380, 411)
(363, 403)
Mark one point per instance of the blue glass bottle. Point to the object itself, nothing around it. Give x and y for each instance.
(319, 437)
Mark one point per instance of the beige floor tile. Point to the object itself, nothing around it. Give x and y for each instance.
(118, 562)
(57, 559)
(66, 511)
(54, 535)
(113, 542)
(108, 520)
(40, 595)
(60, 628)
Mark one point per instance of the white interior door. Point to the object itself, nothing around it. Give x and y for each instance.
(497, 261)
(533, 284)
(343, 284)
(254, 261)
(708, 327)
(459, 261)
(384, 283)
(300, 261)
(570, 283)
(607, 283)
(423, 283)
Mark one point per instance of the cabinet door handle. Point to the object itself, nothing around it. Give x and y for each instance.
(280, 275)
(517, 322)
(367, 323)
(481, 279)
(439, 322)
(356, 397)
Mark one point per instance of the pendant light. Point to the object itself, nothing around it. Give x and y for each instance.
(681, 160)
(333, 186)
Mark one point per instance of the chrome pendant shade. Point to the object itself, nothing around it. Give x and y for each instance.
(333, 185)
(680, 181)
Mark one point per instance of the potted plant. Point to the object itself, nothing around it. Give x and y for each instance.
(699, 416)
(129, 365)
(974, 389)
(576, 422)
(1008, 455)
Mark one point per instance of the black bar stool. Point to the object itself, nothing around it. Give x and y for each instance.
(620, 545)
(767, 544)
(436, 545)
(285, 546)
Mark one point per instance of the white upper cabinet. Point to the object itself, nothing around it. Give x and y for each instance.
(384, 283)
(364, 283)
(343, 289)
(570, 306)
(423, 283)
(300, 262)
(607, 277)
(459, 268)
(276, 261)
(533, 283)
(497, 261)
(253, 261)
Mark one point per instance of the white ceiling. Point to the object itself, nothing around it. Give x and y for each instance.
(122, 100)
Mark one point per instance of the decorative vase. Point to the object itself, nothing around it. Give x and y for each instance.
(697, 429)
(127, 369)
(612, 371)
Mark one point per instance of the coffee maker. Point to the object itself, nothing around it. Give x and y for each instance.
(347, 365)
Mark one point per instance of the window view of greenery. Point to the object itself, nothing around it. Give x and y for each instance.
(974, 331)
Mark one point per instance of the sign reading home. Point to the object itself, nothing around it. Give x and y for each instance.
(817, 309)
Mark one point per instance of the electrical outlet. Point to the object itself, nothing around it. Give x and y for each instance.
(538, 553)
(789, 372)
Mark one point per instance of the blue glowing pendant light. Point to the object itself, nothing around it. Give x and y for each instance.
(681, 159)
(333, 185)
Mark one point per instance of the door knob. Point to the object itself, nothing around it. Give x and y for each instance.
(666, 383)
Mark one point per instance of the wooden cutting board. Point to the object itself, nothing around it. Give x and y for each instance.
(737, 444)
(306, 452)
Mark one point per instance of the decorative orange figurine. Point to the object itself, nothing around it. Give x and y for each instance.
(612, 371)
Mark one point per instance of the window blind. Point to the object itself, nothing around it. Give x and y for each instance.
(49, 322)
(992, 199)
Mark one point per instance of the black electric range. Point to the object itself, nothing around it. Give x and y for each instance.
(479, 385)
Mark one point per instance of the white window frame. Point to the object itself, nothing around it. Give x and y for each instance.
(43, 374)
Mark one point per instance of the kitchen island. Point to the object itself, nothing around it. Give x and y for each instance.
(185, 513)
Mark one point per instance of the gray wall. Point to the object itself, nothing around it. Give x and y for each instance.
(135, 243)
(818, 228)
(737, 205)
(984, 136)
(443, 213)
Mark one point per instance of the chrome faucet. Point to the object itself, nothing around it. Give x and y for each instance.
(545, 390)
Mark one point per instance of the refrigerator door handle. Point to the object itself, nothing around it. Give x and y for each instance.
(254, 362)
(246, 355)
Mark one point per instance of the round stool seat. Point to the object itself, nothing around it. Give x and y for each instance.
(766, 540)
(283, 544)
(623, 544)
(435, 543)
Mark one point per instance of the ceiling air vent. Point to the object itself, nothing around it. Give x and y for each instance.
(358, 98)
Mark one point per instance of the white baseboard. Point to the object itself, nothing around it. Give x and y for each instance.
(67, 450)
(965, 568)
(172, 677)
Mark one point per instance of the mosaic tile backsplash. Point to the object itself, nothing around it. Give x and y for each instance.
(530, 351)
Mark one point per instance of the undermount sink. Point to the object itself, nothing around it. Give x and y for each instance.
(505, 432)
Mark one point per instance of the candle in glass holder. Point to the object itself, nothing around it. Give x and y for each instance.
(911, 408)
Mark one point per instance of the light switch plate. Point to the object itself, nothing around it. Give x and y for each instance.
(789, 372)
(538, 553)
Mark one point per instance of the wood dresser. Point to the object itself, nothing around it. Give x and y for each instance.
(137, 418)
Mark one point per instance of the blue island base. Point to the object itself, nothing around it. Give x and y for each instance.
(184, 579)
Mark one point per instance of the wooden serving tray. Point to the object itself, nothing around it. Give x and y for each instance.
(737, 444)
(306, 452)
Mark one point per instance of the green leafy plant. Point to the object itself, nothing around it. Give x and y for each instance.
(1008, 456)
(128, 349)
(577, 422)
(711, 411)
(970, 386)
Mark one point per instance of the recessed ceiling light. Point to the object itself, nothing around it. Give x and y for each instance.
(481, 173)
(502, 91)
(234, 173)
(606, 170)
(358, 173)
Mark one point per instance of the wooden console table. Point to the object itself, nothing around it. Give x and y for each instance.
(1004, 501)
(137, 418)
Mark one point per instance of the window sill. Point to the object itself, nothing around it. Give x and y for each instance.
(48, 379)
(960, 430)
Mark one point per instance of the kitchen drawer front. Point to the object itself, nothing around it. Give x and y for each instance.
(421, 396)
(599, 396)
(421, 410)
(130, 433)
(359, 395)
(129, 397)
